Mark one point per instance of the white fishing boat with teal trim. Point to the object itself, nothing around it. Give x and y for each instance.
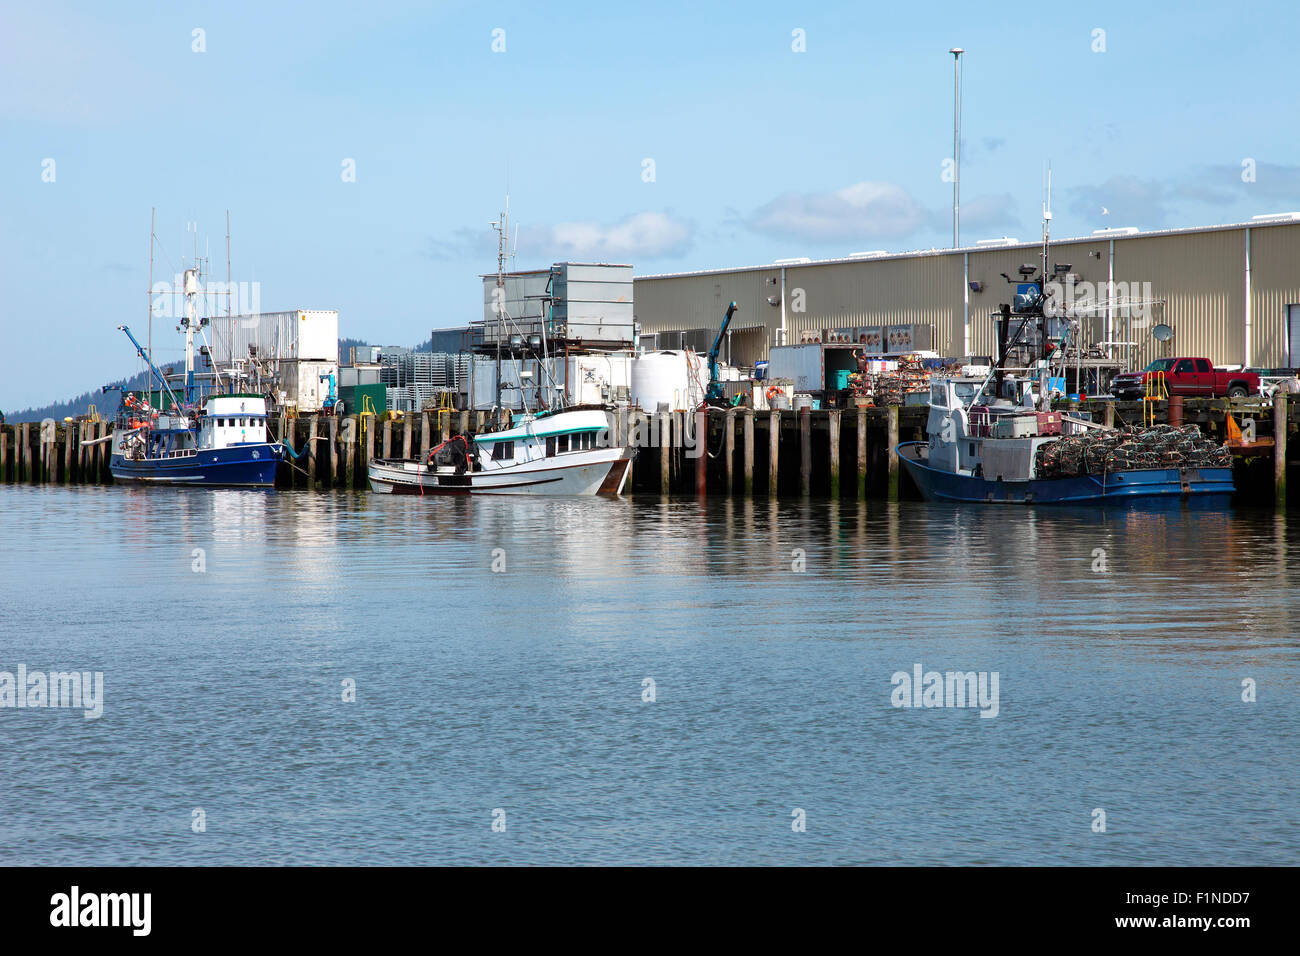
(565, 452)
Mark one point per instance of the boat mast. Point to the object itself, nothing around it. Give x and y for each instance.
(502, 227)
(149, 297)
(190, 322)
(229, 325)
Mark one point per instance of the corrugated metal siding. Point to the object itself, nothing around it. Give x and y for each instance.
(700, 302)
(987, 266)
(916, 291)
(1201, 278)
(1274, 284)
(1200, 275)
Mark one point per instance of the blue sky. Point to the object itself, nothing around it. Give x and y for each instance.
(760, 152)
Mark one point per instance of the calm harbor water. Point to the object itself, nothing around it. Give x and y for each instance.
(521, 689)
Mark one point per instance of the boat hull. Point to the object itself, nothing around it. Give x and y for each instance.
(237, 466)
(1203, 484)
(605, 474)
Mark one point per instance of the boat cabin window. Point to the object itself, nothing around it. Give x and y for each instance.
(938, 395)
(550, 446)
(965, 391)
(503, 450)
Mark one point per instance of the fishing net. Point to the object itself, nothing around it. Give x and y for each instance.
(1127, 449)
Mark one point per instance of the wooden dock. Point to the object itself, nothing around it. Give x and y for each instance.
(780, 454)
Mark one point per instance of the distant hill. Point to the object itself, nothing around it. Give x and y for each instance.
(107, 403)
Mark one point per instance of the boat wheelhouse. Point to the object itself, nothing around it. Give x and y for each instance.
(224, 445)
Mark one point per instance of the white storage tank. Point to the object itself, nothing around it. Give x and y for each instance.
(672, 378)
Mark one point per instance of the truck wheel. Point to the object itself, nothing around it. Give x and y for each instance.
(1237, 391)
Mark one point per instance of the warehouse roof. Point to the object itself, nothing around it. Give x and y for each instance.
(1101, 235)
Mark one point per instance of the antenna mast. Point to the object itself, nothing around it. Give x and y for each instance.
(149, 296)
(502, 227)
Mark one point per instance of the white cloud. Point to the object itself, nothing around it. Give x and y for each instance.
(864, 210)
(645, 235)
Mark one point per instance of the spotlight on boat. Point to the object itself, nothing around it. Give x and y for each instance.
(516, 341)
(534, 341)
(1027, 270)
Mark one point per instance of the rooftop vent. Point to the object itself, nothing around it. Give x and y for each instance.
(869, 255)
(1276, 217)
(800, 260)
(1004, 241)
(1116, 231)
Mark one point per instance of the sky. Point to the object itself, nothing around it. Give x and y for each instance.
(362, 150)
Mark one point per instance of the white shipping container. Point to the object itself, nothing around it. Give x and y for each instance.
(302, 384)
(311, 334)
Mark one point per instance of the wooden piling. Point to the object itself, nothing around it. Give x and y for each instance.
(426, 435)
(4, 455)
(69, 454)
(665, 446)
(891, 420)
(363, 454)
(408, 436)
(357, 455)
(1108, 415)
(636, 436)
(47, 454)
(748, 445)
(729, 449)
(104, 454)
(1279, 449)
(92, 453)
(833, 455)
(313, 460)
(24, 452)
(805, 451)
(862, 453)
(334, 450)
(702, 452)
(773, 453)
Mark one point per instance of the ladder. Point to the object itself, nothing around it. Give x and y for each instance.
(1156, 389)
(445, 407)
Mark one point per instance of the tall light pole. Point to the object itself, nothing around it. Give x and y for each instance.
(956, 145)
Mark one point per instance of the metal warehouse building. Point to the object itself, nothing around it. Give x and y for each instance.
(1230, 292)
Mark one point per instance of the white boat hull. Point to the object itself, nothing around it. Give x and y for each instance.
(598, 471)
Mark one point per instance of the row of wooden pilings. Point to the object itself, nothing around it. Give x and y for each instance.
(827, 452)
(714, 451)
(734, 451)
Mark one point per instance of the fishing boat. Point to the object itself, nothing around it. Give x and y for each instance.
(565, 452)
(225, 444)
(220, 441)
(992, 436)
(987, 449)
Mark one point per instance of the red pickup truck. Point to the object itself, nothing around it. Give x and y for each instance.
(1184, 376)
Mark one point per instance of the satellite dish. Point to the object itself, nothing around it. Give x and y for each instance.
(1162, 332)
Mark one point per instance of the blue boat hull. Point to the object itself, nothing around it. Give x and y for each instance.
(1205, 484)
(239, 466)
